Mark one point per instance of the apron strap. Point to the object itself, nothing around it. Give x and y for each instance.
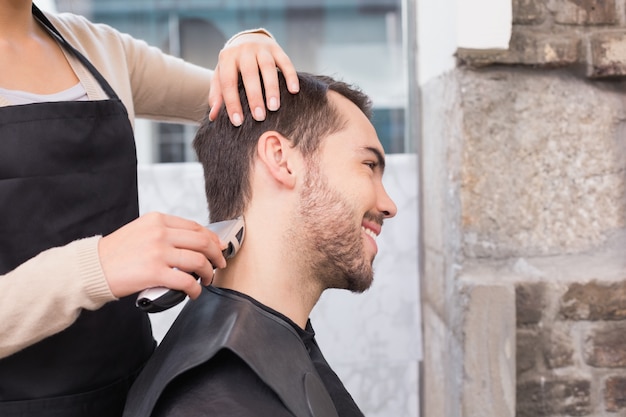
(103, 83)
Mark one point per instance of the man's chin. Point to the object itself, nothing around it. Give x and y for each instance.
(360, 284)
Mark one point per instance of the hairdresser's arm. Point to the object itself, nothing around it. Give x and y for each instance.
(155, 85)
(167, 87)
(47, 293)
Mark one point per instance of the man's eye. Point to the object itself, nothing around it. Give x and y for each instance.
(371, 165)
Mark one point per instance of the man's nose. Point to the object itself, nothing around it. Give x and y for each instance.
(385, 204)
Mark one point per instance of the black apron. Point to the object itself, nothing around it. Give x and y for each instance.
(267, 344)
(68, 171)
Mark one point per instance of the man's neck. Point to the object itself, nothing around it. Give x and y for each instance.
(266, 271)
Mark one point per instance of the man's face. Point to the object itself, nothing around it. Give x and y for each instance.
(343, 202)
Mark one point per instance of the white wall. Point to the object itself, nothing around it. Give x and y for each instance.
(443, 26)
(484, 24)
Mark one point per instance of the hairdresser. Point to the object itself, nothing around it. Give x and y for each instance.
(73, 251)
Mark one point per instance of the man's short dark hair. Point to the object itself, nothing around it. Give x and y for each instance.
(227, 152)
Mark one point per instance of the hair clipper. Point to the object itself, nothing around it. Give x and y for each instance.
(154, 300)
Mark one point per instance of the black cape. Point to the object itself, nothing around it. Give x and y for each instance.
(228, 355)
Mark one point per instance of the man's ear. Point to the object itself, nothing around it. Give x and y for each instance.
(279, 157)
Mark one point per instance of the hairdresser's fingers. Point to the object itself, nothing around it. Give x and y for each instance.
(249, 68)
(181, 233)
(267, 67)
(157, 219)
(195, 249)
(175, 279)
(141, 254)
(228, 78)
(282, 61)
(250, 54)
(208, 280)
(203, 243)
(190, 261)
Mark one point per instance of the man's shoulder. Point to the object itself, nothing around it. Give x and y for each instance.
(228, 356)
(225, 386)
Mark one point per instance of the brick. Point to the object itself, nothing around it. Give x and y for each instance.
(559, 349)
(585, 12)
(553, 397)
(481, 58)
(529, 302)
(615, 394)
(608, 55)
(594, 301)
(528, 12)
(528, 47)
(528, 349)
(604, 346)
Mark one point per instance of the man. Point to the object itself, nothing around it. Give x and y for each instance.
(308, 182)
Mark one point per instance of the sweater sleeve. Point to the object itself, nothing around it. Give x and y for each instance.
(168, 87)
(165, 87)
(150, 83)
(48, 292)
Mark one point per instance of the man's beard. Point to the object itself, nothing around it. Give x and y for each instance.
(332, 242)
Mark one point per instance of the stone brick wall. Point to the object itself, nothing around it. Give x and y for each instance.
(571, 351)
(571, 333)
(531, 144)
(587, 34)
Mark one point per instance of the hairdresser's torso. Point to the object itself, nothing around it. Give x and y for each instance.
(69, 172)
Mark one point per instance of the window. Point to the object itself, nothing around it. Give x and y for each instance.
(358, 41)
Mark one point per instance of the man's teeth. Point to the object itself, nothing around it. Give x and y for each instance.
(369, 232)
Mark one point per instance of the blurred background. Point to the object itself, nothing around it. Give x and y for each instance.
(359, 41)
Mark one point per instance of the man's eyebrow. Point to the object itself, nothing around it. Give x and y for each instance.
(380, 158)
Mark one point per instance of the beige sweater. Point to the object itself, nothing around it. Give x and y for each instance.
(47, 293)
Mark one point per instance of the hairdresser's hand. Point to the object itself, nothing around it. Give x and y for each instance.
(145, 253)
(248, 54)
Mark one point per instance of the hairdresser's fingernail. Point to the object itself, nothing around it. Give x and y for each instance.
(294, 88)
(273, 105)
(259, 114)
(237, 121)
